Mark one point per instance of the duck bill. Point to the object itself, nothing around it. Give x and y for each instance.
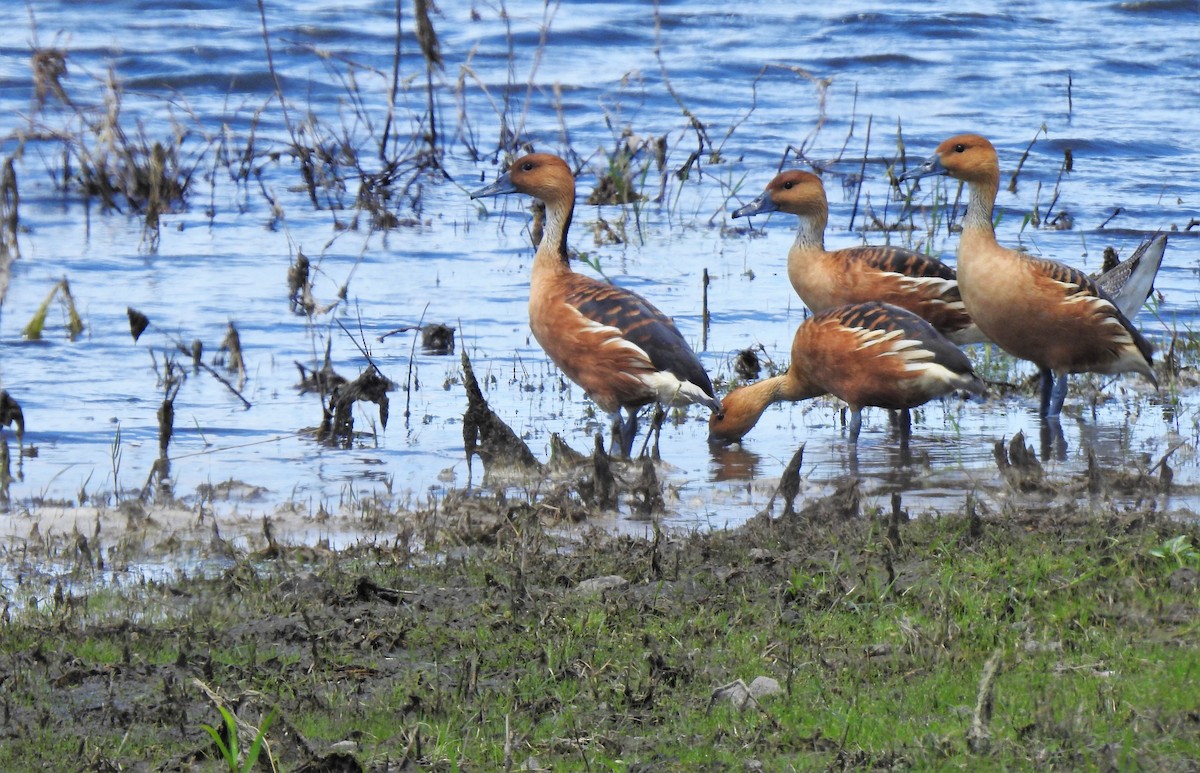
(931, 167)
(502, 185)
(757, 207)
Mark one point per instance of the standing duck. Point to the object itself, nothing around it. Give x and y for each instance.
(624, 352)
(864, 354)
(911, 280)
(825, 280)
(1035, 309)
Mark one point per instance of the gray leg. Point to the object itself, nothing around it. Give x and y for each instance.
(1047, 386)
(1058, 395)
(855, 424)
(623, 430)
(628, 431)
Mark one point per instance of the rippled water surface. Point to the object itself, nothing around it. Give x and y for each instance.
(843, 81)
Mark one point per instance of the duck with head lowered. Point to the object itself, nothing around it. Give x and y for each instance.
(866, 354)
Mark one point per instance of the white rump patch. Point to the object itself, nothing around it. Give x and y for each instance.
(670, 390)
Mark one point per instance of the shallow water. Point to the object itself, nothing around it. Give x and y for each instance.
(1123, 104)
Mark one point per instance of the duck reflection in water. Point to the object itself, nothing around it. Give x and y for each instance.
(1053, 442)
(734, 462)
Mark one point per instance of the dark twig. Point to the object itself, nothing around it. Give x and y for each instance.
(1012, 182)
(862, 170)
(187, 350)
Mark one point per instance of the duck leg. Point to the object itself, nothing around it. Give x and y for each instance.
(1047, 386)
(905, 428)
(855, 424)
(623, 431)
(1058, 394)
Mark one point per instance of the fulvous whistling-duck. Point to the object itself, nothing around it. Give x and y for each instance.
(864, 354)
(911, 280)
(623, 351)
(1035, 309)
(825, 280)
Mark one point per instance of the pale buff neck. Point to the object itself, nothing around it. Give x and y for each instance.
(551, 256)
(981, 204)
(810, 235)
(978, 238)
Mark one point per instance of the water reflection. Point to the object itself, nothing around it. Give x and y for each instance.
(1054, 444)
(226, 255)
(733, 462)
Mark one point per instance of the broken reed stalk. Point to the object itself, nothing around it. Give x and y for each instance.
(487, 436)
(6, 477)
(1012, 182)
(10, 199)
(862, 171)
(789, 482)
(427, 38)
(303, 154)
(160, 471)
(33, 330)
(394, 86)
(48, 65)
(232, 343)
(701, 131)
(853, 120)
(1107, 220)
(198, 363)
(409, 380)
(1067, 165)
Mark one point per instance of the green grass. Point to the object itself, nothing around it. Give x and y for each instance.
(490, 659)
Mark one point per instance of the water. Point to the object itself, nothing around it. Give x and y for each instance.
(758, 79)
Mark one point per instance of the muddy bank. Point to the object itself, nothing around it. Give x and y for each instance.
(495, 634)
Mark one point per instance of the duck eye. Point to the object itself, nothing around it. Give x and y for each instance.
(960, 148)
(789, 185)
(527, 166)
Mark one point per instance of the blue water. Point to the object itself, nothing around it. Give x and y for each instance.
(758, 79)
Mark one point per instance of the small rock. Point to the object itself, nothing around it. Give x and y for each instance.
(1043, 646)
(1184, 579)
(743, 696)
(598, 585)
